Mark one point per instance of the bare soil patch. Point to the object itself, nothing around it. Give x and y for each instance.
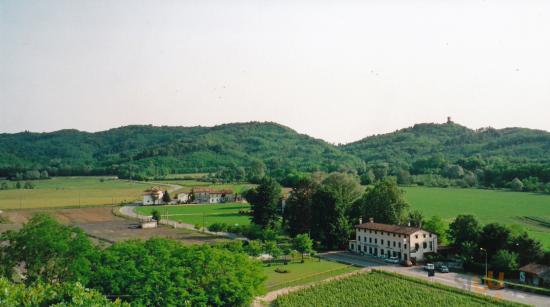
(100, 223)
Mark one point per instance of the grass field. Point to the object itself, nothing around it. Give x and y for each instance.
(530, 211)
(384, 289)
(71, 191)
(197, 214)
(311, 270)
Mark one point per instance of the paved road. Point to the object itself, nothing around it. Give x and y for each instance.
(462, 281)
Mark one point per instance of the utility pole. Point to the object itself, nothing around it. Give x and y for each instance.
(484, 250)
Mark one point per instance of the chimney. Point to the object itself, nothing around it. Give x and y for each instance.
(360, 220)
(371, 220)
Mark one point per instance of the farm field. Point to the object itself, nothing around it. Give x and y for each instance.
(202, 213)
(312, 270)
(529, 210)
(72, 191)
(384, 289)
(102, 225)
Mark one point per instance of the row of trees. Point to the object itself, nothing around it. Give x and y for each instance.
(157, 272)
(327, 207)
(506, 248)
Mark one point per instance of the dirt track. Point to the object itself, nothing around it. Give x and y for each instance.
(99, 222)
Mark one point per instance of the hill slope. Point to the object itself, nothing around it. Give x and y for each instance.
(151, 151)
(495, 156)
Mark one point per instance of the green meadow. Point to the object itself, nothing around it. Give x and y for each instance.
(531, 211)
(202, 213)
(71, 192)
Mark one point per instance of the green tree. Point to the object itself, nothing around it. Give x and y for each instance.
(297, 212)
(166, 197)
(303, 244)
(516, 185)
(368, 177)
(494, 237)
(254, 248)
(18, 185)
(330, 224)
(384, 202)
(264, 203)
(464, 228)
(505, 261)
(346, 187)
(403, 177)
(4, 186)
(528, 249)
(436, 225)
(47, 251)
(155, 214)
(162, 272)
(273, 249)
(56, 294)
(416, 218)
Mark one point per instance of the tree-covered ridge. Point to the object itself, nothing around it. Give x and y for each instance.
(453, 141)
(453, 155)
(151, 151)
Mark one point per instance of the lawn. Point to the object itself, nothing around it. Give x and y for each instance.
(488, 206)
(202, 213)
(311, 270)
(72, 192)
(384, 289)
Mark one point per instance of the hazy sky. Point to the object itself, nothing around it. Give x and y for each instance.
(337, 70)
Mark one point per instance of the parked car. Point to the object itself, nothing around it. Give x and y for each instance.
(393, 260)
(443, 269)
(429, 267)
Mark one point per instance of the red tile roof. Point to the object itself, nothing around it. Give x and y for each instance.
(388, 228)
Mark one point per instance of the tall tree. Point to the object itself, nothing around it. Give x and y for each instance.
(494, 237)
(436, 225)
(346, 187)
(465, 228)
(330, 225)
(166, 197)
(303, 244)
(264, 203)
(528, 249)
(416, 218)
(297, 211)
(384, 202)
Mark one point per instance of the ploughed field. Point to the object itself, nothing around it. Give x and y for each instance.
(71, 192)
(531, 211)
(202, 214)
(384, 289)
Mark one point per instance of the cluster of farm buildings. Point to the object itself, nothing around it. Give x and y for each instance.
(154, 196)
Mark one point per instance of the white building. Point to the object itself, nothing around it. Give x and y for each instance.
(209, 196)
(183, 198)
(153, 196)
(384, 240)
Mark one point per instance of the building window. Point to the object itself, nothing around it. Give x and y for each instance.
(388, 243)
(375, 241)
(381, 252)
(399, 244)
(405, 246)
(416, 236)
(393, 243)
(358, 238)
(424, 245)
(375, 232)
(382, 241)
(431, 245)
(365, 239)
(416, 246)
(370, 240)
(424, 235)
(430, 235)
(394, 234)
(370, 250)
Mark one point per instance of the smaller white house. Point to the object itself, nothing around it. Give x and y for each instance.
(153, 196)
(183, 198)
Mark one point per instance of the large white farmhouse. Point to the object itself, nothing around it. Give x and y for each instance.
(153, 196)
(209, 196)
(405, 243)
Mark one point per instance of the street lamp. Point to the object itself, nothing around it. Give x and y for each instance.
(484, 250)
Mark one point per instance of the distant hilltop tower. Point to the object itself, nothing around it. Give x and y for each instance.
(449, 121)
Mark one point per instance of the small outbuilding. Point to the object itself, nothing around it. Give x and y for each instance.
(535, 274)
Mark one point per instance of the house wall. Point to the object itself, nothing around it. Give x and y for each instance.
(382, 243)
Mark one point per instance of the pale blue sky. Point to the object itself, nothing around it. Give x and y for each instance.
(337, 70)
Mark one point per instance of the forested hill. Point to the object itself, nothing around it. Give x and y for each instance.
(136, 151)
(492, 156)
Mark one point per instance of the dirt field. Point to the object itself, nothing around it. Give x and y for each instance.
(101, 224)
